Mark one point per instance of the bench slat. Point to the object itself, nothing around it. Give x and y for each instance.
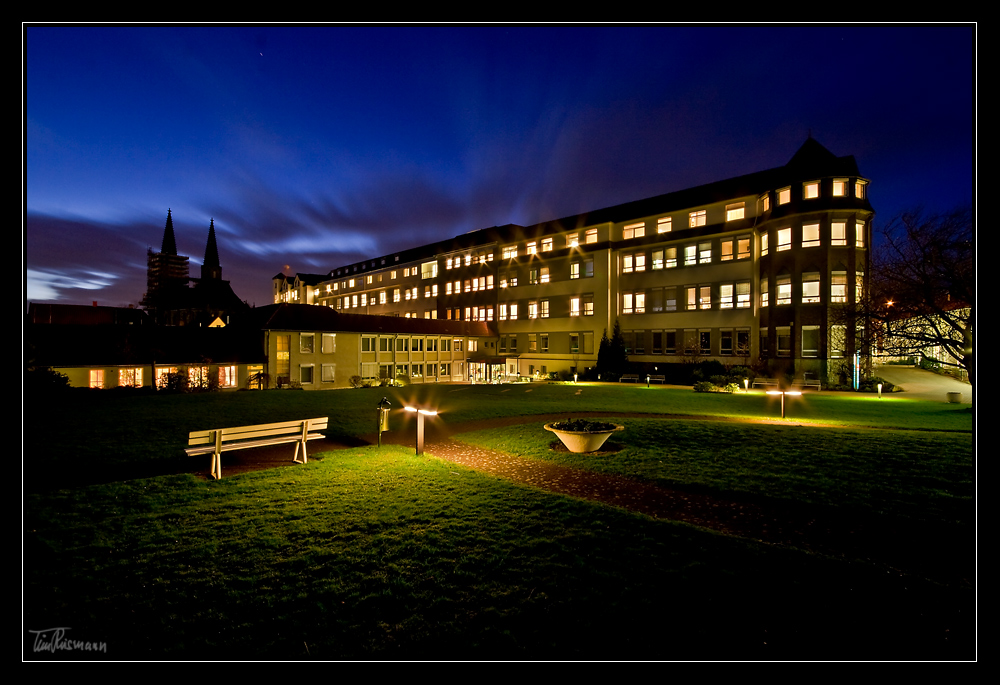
(218, 440)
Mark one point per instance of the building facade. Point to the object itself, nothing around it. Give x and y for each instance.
(756, 269)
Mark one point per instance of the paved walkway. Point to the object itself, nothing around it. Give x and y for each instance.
(924, 385)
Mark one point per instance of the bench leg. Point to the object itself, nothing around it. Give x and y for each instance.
(216, 465)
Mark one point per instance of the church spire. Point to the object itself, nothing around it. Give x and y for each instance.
(210, 267)
(169, 242)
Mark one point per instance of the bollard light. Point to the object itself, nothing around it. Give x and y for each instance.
(421, 413)
(383, 418)
(783, 393)
(746, 385)
(880, 391)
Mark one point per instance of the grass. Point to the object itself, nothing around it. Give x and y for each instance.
(377, 554)
(915, 474)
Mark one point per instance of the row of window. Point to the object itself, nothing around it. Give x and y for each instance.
(405, 344)
(412, 371)
(811, 236)
(579, 342)
(811, 288)
(197, 377)
(689, 342)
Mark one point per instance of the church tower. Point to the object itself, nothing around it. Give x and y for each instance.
(166, 271)
(210, 269)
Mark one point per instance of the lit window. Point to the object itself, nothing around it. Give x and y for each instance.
(860, 188)
(670, 257)
(763, 244)
(633, 231)
(627, 303)
(427, 270)
(726, 296)
(574, 306)
(572, 240)
(743, 247)
(810, 287)
(735, 211)
(838, 286)
(381, 297)
(810, 190)
(395, 295)
(859, 286)
(697, 218)
(839, 187)
(784, 290)
(705, 297)
(690, 255)
(627, 264)
(727, 250)
(227, 377)
(574, 270)
(130, 378)
(533, 277)
(590, 236)
(532, 310)
(547, 245)
(784, 196)
(513, 311)
(543, 309)
(640, 262)
(765, 202)
(763, 292)
(657, 259)
(810, 235)
(532, 248)
(692, 297)
(509, 252)
(664, 224)
(502, 316)
(859, 231)
(838, 233)
(784, 239)
(743, 294)
(588, 305)
(705, 253)
(640, 303)
(543, 275)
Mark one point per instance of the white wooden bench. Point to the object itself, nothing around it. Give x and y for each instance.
(807, 383)
(765, 382)
(633, 377)
(657, 379)
(218, 440)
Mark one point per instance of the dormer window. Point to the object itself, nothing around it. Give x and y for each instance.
(784, 196)
(633, 231)
(735, 211)
(810, 190)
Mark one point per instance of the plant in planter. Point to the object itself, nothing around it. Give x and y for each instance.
(581, 435)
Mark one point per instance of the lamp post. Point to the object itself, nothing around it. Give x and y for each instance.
(783, 393)
(421, 413)
(383, 418)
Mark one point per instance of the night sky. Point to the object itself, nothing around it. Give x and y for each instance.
(312, 147)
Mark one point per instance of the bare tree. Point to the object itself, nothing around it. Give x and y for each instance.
(923, 287)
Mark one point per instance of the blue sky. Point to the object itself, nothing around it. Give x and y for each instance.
(312, 147)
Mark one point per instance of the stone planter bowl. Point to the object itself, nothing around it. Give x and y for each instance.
(583, 441)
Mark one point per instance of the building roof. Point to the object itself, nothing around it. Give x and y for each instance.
(65, 345)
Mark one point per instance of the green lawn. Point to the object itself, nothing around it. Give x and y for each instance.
(378, 554)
